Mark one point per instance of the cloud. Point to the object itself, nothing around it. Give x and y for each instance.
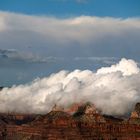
(83, 36)
(100, 60)
(46, 44)
(127, 67)
(2, 24)
(114, 90)
(15, 55)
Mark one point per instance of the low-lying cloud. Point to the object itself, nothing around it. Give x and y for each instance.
(114, 90)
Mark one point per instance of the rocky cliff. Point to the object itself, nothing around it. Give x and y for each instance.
(135, 115)
(86, 123)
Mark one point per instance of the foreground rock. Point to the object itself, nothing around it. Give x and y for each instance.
(85, 124)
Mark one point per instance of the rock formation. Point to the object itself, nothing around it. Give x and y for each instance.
(135, 115)
(85, 124)
(136, 112)
(88, 113)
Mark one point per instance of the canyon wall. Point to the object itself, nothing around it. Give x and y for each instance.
(85, 124)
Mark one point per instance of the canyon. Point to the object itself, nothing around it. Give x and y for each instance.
(80, 122)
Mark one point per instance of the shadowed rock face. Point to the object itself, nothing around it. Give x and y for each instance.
(137, 109)
(135, 115)
(88, 109)
(136, 112)
(57, 108)
(85, 124)
(88, 113)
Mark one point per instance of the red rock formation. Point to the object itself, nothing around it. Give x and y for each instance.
(88, 113)
(73, 108)
(135, 115)
(136, 112)
(85, 124)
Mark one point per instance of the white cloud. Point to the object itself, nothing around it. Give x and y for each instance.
(114, 92)
(2, 23)
(84, 37)
(127, 67)
(77, 36)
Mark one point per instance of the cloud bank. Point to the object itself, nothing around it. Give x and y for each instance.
(82, 42)
(83, 36)
(114, 90)
(79, 41)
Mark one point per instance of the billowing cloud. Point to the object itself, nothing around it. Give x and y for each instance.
(114, 90)
(127, 67)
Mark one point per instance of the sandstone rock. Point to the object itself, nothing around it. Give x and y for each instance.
(57, 108)
(89, 113)
(135, 115)
(136, 112)
(137, 109)
(73, 108)
(86, 124)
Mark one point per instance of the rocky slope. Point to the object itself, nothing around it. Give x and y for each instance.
(135, 115)
(86, 123)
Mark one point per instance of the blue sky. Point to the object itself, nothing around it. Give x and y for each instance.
(64, 8)
(40, 37)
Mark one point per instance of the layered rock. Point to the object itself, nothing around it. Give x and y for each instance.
(73, 108)
(136, 112)
(57, 108)
(85, 124)
(88, 113)
(56, 117)
(18, 119)
(135, 115)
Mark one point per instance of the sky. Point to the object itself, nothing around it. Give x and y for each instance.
(66, 8)
(42, 37)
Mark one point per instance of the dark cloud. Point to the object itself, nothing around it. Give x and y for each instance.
(15, 55)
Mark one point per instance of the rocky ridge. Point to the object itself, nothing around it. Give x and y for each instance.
(86, 123)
